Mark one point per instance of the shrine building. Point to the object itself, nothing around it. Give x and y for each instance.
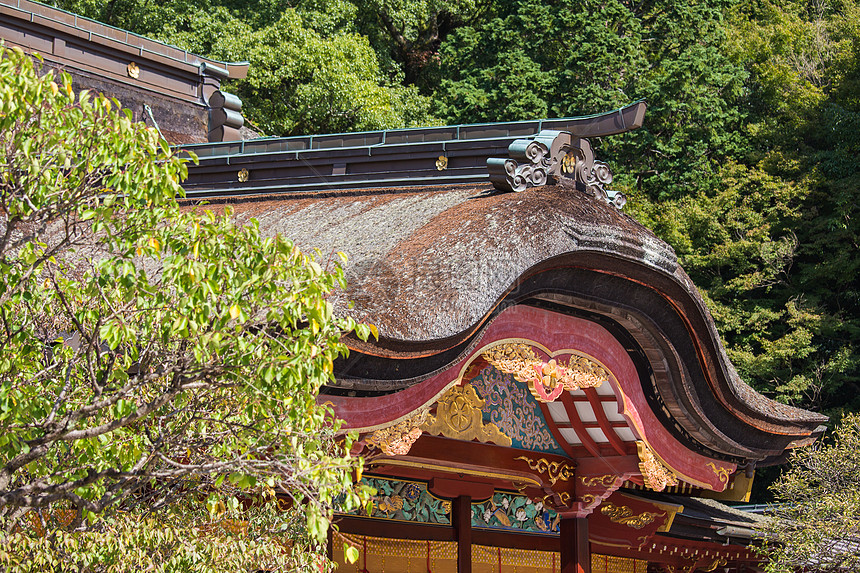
(548, 392)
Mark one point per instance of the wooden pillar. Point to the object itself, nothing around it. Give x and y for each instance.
(462, 520)
(575, 552)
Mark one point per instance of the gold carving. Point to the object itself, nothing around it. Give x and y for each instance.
(718, 562)
(722, 473)
(548, 499)
(133, 70)
(442, 163)
(592, 481)
(556, 470)
(588, 499)
(243, 175)
(624, 515)
(656, 475)
(459, 416)
(568, 164)
(397, 440)
(546, 380)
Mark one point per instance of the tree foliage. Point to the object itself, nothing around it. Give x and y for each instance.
(151, 354)
(303, 81)
(310, 71)
(564, 58)
(817, 524)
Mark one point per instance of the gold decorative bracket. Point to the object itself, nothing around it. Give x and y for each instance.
(555, 470)
(655, 473)
(722, 473)
(625, 516)
(397, 440)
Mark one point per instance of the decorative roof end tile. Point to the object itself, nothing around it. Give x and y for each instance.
(549, 156)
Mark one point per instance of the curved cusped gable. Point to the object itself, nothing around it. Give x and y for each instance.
(432, 267)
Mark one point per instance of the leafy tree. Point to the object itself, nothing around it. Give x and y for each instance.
(803, 64)
(302, 81)
(310, 71)
(407, 33)
(817, 524)
(737, 242)
(566, 58)
(151, 354)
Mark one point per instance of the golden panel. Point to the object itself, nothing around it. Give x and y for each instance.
(397, 440)
(459, 415)
(656, 475)
(556, 470)
(625, 516)
(378, 555)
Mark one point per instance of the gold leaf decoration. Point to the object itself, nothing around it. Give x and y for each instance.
(625, 516)
(656, 475)
(568, 164)
(722, 473)
(133, 70)
(397, 440)
(556, 470)
(548, 500)
(546, 380)
(718, 562)
(607, 480)
(459, 415)
(442, 163)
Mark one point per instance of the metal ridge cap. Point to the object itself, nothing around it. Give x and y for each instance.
(366, 148)
(191, 59)
(429, 129)
(324, 186)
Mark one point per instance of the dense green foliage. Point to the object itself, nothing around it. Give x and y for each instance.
(747, 164)
(817, 525)
(150, 355)
(311, 72)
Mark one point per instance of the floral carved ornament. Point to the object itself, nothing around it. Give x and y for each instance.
(546, 380)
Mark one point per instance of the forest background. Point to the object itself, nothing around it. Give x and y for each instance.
(747, 164)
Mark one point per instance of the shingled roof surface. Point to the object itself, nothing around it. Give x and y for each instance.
(429, 263)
